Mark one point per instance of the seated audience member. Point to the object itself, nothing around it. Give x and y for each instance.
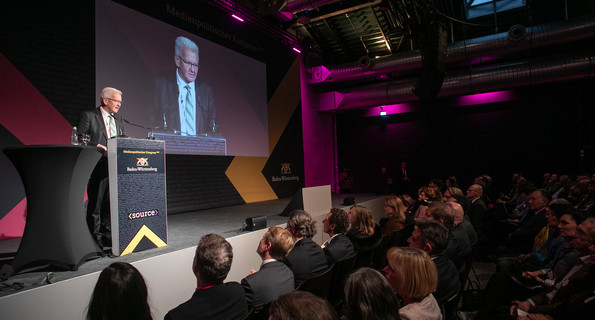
(450, 182)
(368, 296)
(301, 305)
(521, 239)
(120, 293)
(478, 208)
(587, 202)
(363, 232)
(581, 304)
(408, 204)
(212, 299)
(545, 245)
(274, 278)
(505, 287)
(422, 203)
(306, 259)
(460, 219)
(394, 209)
(432, 238)
(338, 246)
(549, 299)
(546, 301)
(458, 247)
(413, 276)
(434, 193)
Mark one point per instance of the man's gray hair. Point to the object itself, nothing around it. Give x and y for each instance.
(106, 92)
(183, 42)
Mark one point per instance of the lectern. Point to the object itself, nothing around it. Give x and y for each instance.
(137, 194)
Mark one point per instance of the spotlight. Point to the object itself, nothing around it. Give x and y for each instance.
(237, 18)
(297, 50)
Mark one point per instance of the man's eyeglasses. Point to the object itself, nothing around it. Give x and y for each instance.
(114, 100)
(196, 65)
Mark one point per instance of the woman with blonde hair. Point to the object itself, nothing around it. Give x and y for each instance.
(395, 210)
(413, 276)
(363, 233)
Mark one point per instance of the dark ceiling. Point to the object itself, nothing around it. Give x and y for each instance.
(333, 32)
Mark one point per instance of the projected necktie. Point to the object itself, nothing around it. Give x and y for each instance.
(188, 116)
(112, 127)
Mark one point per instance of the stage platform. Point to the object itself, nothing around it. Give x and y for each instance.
(184, 231)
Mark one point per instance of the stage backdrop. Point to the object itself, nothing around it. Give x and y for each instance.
(48, 78)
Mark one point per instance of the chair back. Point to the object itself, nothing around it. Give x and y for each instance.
(319, 284)
(343, 268)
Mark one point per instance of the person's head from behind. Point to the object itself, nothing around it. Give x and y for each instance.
(407, 201)
(369, 296)
(441, 212)
(120, 293)
(361, 221)
(301, 305)
(186, 59)
(301, 224)
(429, 236)
(451, 194)
(394, 208)
(411, 273)
(336, 222)
(212, 259)
(275, 243)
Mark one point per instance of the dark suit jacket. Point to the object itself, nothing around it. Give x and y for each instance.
(458, 246)
(272, 280)
(573, 286)
(448, 278)
(223, 301)
(166, 104)
(476, 213)
(522, 238)
(91, 123)
(306, 260)
(339, 248)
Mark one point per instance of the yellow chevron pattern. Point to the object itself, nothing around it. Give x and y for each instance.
(143, 232)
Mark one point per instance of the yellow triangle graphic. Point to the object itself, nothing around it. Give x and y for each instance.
(143, 232)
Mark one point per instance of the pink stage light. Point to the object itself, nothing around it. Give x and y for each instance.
(485, 98)
(297, 50)
(237, 18)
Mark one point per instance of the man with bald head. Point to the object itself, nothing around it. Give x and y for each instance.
(478, 208)
(461, 221)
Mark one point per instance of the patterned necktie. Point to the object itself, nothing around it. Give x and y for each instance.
(112, 127)
(189, 118)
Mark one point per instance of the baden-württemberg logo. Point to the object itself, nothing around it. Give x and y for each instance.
(285, 171)
(142, 162)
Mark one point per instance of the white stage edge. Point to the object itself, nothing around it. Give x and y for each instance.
(169, 277)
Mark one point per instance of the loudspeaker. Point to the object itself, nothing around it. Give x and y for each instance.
(255, 223)
(433, 61)
(297, 203)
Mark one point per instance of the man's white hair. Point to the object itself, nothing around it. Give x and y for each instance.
(107, 91)
(183, 42)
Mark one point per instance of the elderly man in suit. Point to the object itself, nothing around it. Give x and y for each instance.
(306, 259)
(274, 278)
(101, 124)
(212, 299)
(338, 246)
(182, 102)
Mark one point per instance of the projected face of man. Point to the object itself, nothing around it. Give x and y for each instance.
(187, 65)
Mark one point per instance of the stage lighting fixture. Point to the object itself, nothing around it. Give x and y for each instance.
(237, 18)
